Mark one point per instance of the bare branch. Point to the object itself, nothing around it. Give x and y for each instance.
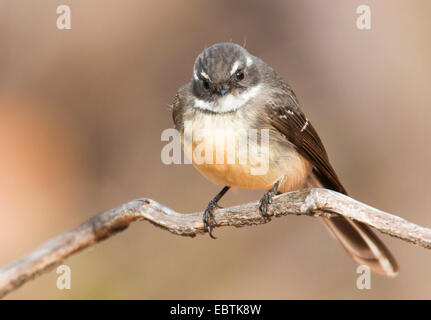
(310, 202)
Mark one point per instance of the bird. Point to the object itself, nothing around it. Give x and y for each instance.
(232, 93)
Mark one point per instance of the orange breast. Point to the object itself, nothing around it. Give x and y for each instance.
(221, 149)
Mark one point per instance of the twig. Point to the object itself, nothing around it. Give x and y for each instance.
(310, 202)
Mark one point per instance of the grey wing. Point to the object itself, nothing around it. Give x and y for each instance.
(294, 125)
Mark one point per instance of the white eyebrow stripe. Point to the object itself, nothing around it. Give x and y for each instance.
(249, 61)
(203, 74)
(234, 67)
(195, 76)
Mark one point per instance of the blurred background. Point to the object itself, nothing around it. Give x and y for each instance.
(82, 112)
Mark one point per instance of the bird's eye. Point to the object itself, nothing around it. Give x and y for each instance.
(206, 84)
(240, 75)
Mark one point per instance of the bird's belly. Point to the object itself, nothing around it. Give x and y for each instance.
(254, 170)
(292, 173)
(221, 150)
(236, 176)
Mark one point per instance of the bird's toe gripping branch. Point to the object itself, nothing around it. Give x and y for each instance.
(267, 200)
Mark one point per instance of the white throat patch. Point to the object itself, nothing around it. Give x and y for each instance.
(229, 102)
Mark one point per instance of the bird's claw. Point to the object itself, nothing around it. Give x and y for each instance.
(267, 200)
(263, 204)
(208, 217)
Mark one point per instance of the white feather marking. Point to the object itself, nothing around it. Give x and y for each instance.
(195, 76)
(228, 102)
(203, 74)
(305, 126)
(234, 67)
(249, 61)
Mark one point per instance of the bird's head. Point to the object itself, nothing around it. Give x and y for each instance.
(224, 77)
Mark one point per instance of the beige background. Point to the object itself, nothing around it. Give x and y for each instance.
(82, 111)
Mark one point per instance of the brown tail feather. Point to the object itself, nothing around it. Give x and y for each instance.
(360, 242)
(363, 245)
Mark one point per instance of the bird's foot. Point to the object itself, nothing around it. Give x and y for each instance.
(267, 200)
(208, 217)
